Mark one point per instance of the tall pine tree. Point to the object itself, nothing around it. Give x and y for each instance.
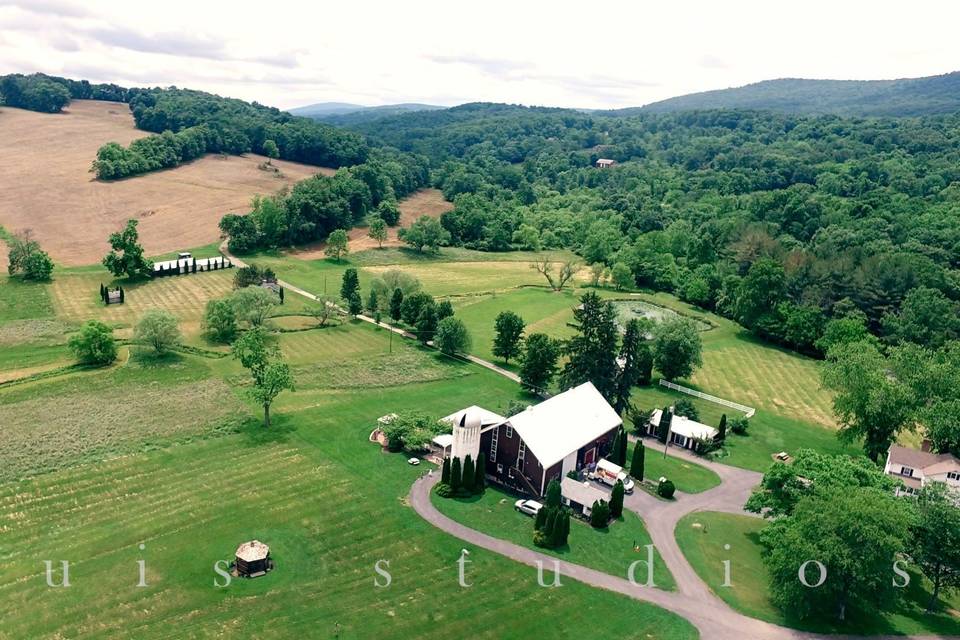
(592, 352)
(637, 463)
(630, 363)
(616, 500)
(480, 475)
(445, 472)
(456, 475)
(469, 474)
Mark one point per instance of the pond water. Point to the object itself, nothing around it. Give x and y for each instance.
(629, 309)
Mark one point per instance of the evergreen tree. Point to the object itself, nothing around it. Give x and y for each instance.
(600, 514)
(564, 534)
(480, 477)
(630, 363)
(553, 494)
(456, 475)
(445, 472)
(469, 474)
(354, 304)
(550, 525)
(722, 429)
(396, 300)
(615, 447)
(281, 295)
(616, 500)
(666, 417)
(350, 285)
(426, 323)
(622, 450)
(541, 520)
(637, 463)
(373, 304)
(593, 351)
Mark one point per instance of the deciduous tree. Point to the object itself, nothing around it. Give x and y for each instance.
(539, 362)
(126, 254)
(94, 344)
(157, 329)
(337, 244)
(508, 328)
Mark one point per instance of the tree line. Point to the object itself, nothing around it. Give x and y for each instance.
(781, 222)
(191, 123)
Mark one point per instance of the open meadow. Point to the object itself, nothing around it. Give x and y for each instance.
(329, 503)
(49, 187)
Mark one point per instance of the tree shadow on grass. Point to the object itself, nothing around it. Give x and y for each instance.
(255, 434)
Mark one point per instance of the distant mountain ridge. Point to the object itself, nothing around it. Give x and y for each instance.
(345, 113)
(903, 97)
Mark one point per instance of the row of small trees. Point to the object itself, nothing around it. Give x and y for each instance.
(458, 480)
(551, 527)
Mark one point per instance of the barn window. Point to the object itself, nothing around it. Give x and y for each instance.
(523, 452)
(509, 433)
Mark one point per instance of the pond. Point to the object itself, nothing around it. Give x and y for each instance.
(629, 309)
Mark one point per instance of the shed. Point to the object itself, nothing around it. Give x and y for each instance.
(580, 496)
(442, 444)
(604, 163)
(253, 559)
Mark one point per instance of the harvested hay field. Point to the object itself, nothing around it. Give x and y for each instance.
(426, 202)
(46, 185)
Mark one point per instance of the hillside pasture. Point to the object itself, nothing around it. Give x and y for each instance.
(46, 185)
(328, 503)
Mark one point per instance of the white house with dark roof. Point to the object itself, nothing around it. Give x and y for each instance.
(544, 442)
(917, 467)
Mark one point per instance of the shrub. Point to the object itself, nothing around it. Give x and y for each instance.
(739, 425)
(600, 514)
(685, 407)
(94, 344)
(220, 321)
(157, 329)
(666, 489)
(444, 491)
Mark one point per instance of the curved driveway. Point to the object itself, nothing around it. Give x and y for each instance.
(693, 600)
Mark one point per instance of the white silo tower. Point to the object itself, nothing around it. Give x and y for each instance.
(466, 436)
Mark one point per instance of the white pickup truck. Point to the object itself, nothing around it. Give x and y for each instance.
(608, 473)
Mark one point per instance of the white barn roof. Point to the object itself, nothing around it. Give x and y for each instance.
(555, 428)
(685, 426)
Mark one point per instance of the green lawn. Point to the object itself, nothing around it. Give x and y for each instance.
(686, 476)
(23, 300)
(328, 502)
(611, 550)
(769, 432)
(702, 537)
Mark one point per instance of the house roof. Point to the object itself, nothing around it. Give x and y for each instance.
(924, 460)
(581, 492)
(487, 418)
(605, 161)
(252, 551)
(685, 426)
(557, 427)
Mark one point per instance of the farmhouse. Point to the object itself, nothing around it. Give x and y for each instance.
(605, 163)
(684, 432)
(916, 468)
(526, 451)
(580, 496)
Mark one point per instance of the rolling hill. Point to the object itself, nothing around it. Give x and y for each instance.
(346, 114)
(904, 97)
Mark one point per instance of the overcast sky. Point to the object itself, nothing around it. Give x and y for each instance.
(558, 53)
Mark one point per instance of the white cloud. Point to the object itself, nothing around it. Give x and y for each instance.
(561, 53)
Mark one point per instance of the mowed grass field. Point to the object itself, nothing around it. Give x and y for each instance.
(328, 502)
(76, 298)
(611, 550)
(49, 188)
(702, 537)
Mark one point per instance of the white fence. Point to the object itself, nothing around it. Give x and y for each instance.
(748, 411)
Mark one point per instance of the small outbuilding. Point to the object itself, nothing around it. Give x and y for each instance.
(605, 163)
(580, 496)
(252, 560)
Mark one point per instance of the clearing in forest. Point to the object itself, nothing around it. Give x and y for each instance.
(46, 185)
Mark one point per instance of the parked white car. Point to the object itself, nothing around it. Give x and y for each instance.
(413, 461)
(529, 507)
